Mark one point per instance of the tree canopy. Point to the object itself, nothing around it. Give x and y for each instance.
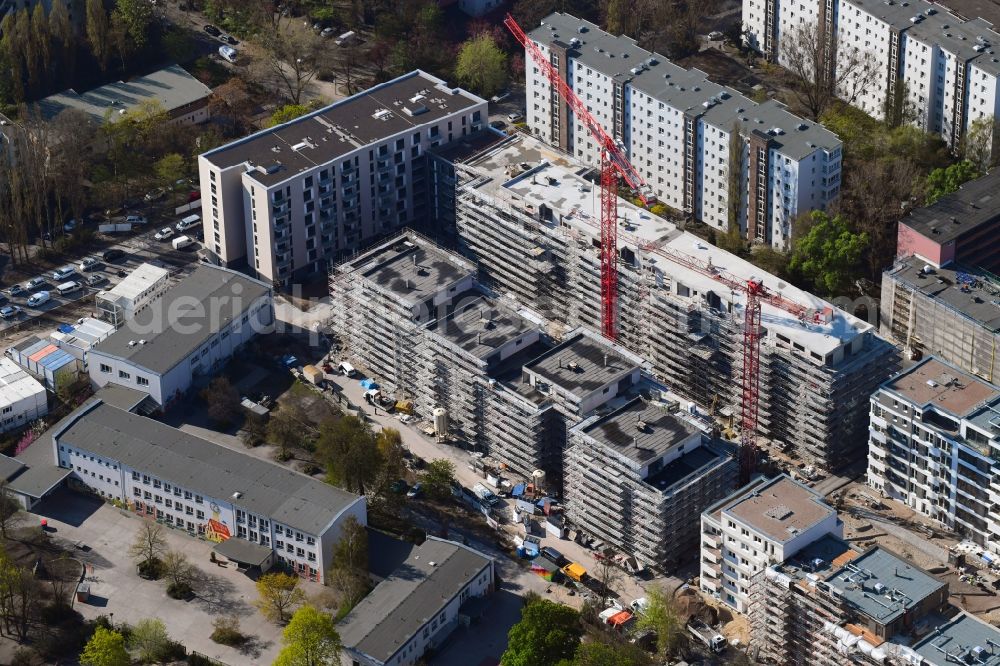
(438, 478)
(660, 615)
(310, 639)
(946, 180)
(105, 648)
(547, 633)
(278, 595)
(482, 66)
(347, 448)
(829, 254)
(598, 653)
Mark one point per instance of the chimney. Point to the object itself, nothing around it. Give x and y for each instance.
(605, 360)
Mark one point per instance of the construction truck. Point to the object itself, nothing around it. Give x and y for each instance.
(715, 641)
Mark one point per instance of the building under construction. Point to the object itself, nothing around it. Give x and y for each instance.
(637, 478)
(528, 215)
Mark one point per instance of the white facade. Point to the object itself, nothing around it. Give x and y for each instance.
(22, 397)
(129, 297)
(934, 438)
(677, 127)
(929, 66)
(213, 518)
(289, 199)
(756, 527)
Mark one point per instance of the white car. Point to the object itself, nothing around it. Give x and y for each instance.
(60, 274)
(34, 283)
(89, 263)
(515, 117)
(38, 299)
(135, 219)
(164, 234)
(228, 53)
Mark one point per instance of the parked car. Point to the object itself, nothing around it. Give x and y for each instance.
(16, 290)
(135, 219)
(226, 38)
(194, 195)
(715, 35)
(61, 274)
(39, 298)
(164, 234)
(182, 242)
(212, 30)
(89, 264)
(498, 125)
(34, 283)
(499, 97)
(97, 279)
(10, 311)
(416, 491)
(155, 195)
(112, 254)
(327, 33)
(188, 222)
(228, 53)
(554, 556)
(70, 226)
(515, 117)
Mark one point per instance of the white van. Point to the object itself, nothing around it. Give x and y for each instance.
(63, 273)
(38, 298)
(135, 219)
(228, 52)
(346, 39)
(67, 288)
(347, 369)
(182, 242)
(188, 222)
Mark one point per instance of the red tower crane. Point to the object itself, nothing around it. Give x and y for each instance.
(614, 163)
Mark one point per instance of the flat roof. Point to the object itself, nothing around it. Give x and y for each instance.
(406, 601)
(583, 363)
(173, 87)
(122, 397)
(16, 384)
(410, 268)
(964, 290)
(683, 89)
(882, 585)
(265, 488)
(525, 174)
(688, 466)
(820, 557)
(405, 103)
(958, 640)
(480, 325)
(10, 467)
(199, 306)
(243, 551)
(932, 382)
(660, 431)
(141, 278)
(974, 203)
(779, 508)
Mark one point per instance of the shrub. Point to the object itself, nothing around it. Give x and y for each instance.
(24, 657)
(227, 631)
(150, 569)
(179, 591)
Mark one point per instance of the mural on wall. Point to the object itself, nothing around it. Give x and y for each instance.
(216, 529)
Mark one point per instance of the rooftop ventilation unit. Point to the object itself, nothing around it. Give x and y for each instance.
(575, 42)
(573, 365)
(413, 109)
(931, 11)
(640, 426)
(916, 19)
(382, 114)
(880, 588)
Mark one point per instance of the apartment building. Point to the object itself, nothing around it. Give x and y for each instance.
(528, 215)
(960, 230)
(948, 312)
(703, 148)
(764, 523)
(192, 329)
(418, 606)
(208, 490)
(832, 604)
(935, 438)
(922, 63)
(637, 477)
(289, 199)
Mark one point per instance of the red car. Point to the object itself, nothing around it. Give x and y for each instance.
(194, 196)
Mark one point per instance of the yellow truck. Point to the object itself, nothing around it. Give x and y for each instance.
(575, 572)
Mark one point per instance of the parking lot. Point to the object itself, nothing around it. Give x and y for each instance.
(116, 589)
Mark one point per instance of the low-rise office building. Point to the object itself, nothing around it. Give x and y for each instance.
(637, 479)
(417, 607)
(208, 490)
(191, 330)
(129, 297)
(934, 445)
(288, 200)
(22, 397)
(764, 523)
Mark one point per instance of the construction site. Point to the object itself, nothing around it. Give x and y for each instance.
(529, 217)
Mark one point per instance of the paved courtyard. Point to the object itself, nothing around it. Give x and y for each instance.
(117, 589)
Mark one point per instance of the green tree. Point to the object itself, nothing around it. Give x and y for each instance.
(597, 653)
(482, 66)
(828, 256)
(661, 616)
(149, 640)
(286, 429)
(99, 32)
(169, 169)
(310, 639)
(137, 17)
(347, 448)
(348, 574)
(278, 594)
(977, 144)
(287, 112)
(438, 478)
(222, 398)
(105, 648)
(41, 37)
(546, 633)
(945, 181)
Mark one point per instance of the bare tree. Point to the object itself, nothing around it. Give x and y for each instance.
(825, 69)
(149, 545)
(291, 57)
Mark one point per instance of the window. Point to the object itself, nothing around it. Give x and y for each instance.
(187, 494)
(105, 368)
(124, 375)
(135, 476)
(141, 381)
(200, 515)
